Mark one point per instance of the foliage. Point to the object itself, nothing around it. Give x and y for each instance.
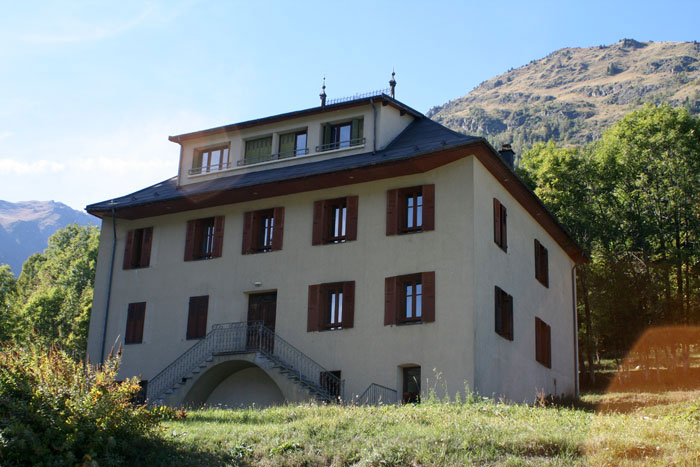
(7, 294)
(55, 410)
(53, 298)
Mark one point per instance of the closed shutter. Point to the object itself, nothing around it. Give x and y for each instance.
(197, 160)
(538, 261)
(218, 236)
(509, 316)
(327, 132)
(548, 345)
(128, 249)
(497, 222)
(504, 229)
(348, 320)
(278, 228)
(312, 320)
(356, 130)
(390, 301)
(287, 143)
(247, 233)
(146, 247)
(190, 240)
(428, 207)
(428, 281)
(197, 317)
(352, 213)
(392, 212)
(498, 311)
(317, 230)
(544, 268)
(134, 323)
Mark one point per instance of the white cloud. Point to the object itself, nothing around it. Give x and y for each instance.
(5, 134)
(11, 166)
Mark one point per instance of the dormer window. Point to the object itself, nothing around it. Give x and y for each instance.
(258, 150)
(293, 144)
(342, 135)
(210, 159)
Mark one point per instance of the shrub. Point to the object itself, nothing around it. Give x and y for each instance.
(58, 411)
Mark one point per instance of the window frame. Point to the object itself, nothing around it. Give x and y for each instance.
(297, 151)
(330, 134)
(137, 248)
(262, 157)
(543, 343)
(398, 208)
(204, 238)
(323, 231)
(135, 319)
(410, 397)
(395, 299)
(500, 227)
(320, 308)
(415, 280)
(541, 264)
(259, 238)
(503, 314)
(198, 166)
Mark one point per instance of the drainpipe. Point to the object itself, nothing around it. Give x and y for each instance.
(109, 284)
(374, 123)
(573, 299)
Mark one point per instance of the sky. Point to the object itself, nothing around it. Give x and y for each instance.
(91, 90)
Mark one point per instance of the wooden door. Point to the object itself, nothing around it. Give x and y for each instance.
(262, 307)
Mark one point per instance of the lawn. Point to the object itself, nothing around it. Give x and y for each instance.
(631, 429)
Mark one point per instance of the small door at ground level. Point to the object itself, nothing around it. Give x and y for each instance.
(411, 384)
(262, 307)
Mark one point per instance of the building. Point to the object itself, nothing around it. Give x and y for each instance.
(356, 249)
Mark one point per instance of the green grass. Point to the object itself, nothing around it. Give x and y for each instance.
(658, 429)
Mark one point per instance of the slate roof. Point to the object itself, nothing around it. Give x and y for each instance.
(420, 137)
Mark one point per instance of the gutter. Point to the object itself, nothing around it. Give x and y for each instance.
(575, 320)
(374, 123)
(109, 284)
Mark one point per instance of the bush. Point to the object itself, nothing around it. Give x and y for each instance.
(58, 411)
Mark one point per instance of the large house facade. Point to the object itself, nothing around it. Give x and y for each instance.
(355, 250)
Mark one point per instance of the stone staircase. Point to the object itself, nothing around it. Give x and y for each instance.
(253, 342)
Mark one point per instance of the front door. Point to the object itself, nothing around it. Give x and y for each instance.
(262, 307)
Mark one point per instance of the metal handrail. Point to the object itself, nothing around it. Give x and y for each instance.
(244, 337)
(339, 144)
(274, 157)
(376, 394)
(378, 92)
(209, 168)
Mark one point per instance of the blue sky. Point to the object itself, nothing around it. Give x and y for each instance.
(90, 91)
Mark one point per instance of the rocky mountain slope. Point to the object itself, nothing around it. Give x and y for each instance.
(573, 94)
(25, 228)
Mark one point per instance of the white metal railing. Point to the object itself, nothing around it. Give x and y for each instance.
(232, 338)
(209, 168)
(273, 157)
(348, 143)
(376, 394)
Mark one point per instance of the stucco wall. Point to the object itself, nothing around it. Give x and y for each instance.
(245, 388)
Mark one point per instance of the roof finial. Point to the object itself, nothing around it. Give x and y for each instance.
(323, 93)
(392, 84)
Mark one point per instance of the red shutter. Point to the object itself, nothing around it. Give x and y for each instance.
(128, 249)
(317, 232)
(390, 302)
(428, 207)
(247, 233)
(278, 228)
(392, 212)
(504, 229)
(497, 221)
(348, 304)
(313, 312)
(146, 247)
(428, 281)
(189, 240)
(218, 236)
(351, 227)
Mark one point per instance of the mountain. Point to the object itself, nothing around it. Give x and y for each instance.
(573, 94)
(25, 228)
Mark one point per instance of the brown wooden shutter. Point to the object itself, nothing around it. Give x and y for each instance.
(129, 324)
(509, 316)
(498, 311)
(544, 268)
(247, 233)
(218, 236)
(428, 281)
(312, 319)
(348, 304)
(428, 207)
(202, 317)
(317, 232)
(128, 249)
(390, 301)
(392, 212)
(190, 240)
(504, 229)
(496, 221)
(351, 227)
(278, 228)
(538, 261)
(146, 247)
(197, 317)
(134, 323)
(548, 345)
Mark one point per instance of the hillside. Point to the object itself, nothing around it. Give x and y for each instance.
(573, 94)
(25, 228)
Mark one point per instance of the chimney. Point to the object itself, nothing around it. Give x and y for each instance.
(323, 93)
(508, 155)
(392, 85)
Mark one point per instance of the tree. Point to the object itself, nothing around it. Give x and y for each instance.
(7, 294)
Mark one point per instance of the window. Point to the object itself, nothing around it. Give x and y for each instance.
(263, 230)
(411, 384)
(293, 144)
(543, 343)
(504, 314)
(410, 210)
(210, 159)
(499, 225)
(204, 239)
(197, 317)
(342, 135)
(541, 264)
(331, 306)
(137, 253)
(257, 150)
(134, 323)
(409, 298)
(335, 221)
(331, 382)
